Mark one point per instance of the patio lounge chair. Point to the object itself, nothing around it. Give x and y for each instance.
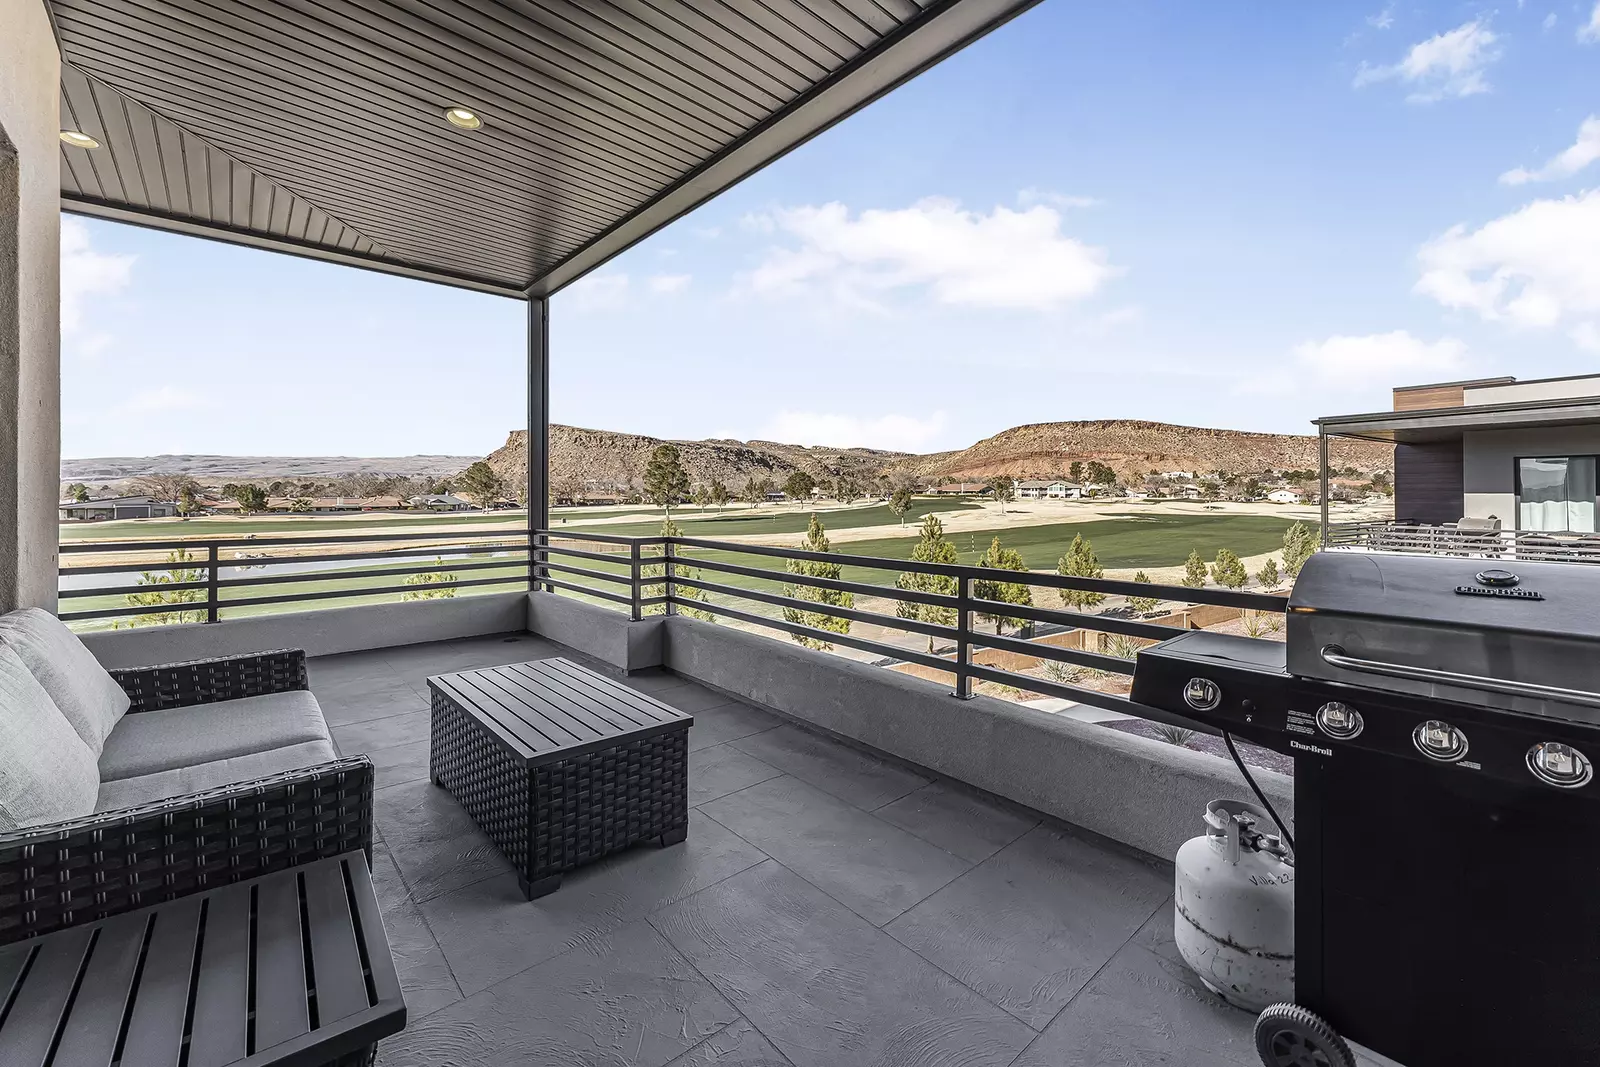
(121, 789)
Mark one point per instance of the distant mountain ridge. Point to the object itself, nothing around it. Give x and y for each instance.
(252, 468)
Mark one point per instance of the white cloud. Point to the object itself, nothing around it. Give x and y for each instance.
(1589, 32)
(87, 276)
(1032, 195)
(669, 283)
(901, 433)
(1586, 335)
(1584, 151)
(1449, 64)
(1536, 267)
(599, 292)
(1376, 359)
(164, 398)
(1549, 22)
(1003, 259)
(1383, 19)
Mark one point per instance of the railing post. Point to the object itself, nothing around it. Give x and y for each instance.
(636, 610)
(671, 605)
(212, 589)
(963, 638)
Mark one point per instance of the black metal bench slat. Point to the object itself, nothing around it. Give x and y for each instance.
(222, 991)
(281, 1010)
(155, 1029)
(335, 959)
(73, 987)
(102, 1000)
(36, 1014)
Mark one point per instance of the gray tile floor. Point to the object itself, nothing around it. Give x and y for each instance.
(827, 909)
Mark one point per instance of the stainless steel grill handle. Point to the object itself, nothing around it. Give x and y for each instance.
(1334, 656)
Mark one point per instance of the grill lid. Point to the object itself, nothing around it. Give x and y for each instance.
(1505, 634)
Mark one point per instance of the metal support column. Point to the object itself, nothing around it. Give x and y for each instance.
(963, 689)
(1322, 488)
(538, 450)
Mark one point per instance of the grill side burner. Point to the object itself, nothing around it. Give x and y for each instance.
(1448, 862)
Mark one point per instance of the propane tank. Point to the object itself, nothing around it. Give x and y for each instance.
(1234, 895)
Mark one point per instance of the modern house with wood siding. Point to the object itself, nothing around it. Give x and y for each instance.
(1518, 457)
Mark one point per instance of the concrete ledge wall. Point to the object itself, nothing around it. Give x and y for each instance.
(604, 633)
(320, 633)
(1144, 793)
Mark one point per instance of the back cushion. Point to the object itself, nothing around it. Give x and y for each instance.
(80, 687)
(47, 773)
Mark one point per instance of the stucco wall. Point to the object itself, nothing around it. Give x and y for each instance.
(30, 281)
(1522, 392)
(1489, 469)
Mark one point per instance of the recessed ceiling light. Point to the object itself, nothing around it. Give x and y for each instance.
(460, 116)
(79, 140)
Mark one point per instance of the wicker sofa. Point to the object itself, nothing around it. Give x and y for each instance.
(217, 771)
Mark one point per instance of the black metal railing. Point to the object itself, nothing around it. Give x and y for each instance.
(344, 572)
(642, 573)
(1448, 539)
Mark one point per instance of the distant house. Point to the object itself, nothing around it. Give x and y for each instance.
(442, 502)
(962, 489)
(117, 507)
(336, 505)
(1048, 489)
(1286, 496)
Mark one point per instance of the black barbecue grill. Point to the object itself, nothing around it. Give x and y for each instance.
(1443, 715)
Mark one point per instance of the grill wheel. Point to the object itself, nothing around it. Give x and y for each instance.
(1289, 1036)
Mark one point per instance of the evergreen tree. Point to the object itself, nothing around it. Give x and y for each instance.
(1228, 571)
(1004, 489)
(665, 481)
(701, 496)
(77, 492)
(1080, 562)
(1002, 559)
(1268, 574)
(188, 503)
(718, 493)
(1075, 472)
(798, 486)
(1299, 542)
(1194, 571)
(1142, 605)
(816, 541)
(251, 498)
(932, 548)
(900, 503)
(652, 578)
(154, 594)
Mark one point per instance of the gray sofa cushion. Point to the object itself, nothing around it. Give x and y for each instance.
(160, 785)
(80, 687)
(47, 772)
(152, 741)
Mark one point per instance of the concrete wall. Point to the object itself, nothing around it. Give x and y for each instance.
(320, 633)
(605, 633)
(1489, 477)
(1144, 793)
(1522, 392)
(30, 317)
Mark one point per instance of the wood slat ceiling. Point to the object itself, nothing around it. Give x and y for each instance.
(316, 126)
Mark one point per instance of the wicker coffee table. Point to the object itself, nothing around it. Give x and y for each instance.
(560, 765)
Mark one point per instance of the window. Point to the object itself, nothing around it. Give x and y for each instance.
(1556, 493)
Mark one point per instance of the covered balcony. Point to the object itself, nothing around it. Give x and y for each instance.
(883, 866)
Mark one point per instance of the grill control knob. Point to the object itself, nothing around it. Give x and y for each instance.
(1340, 720)
(1560, 765)
(1440, 741)
(1202, 694)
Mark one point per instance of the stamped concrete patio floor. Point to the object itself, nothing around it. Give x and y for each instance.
(829, 909)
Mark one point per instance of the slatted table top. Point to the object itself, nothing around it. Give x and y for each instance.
(290, 968)
(553, 708)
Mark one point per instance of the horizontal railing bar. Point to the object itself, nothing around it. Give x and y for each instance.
(947, 600)
(608, 539)
(152, 609)
(1077, 620)
(927, 629)
(379, 572)
(603, 594)
(1092, 697)
(120, 590)
(860, 643)
(604, 576)
(516, 555)
(603, 557)
(1100, 661)
(383, 590)
(322, 539)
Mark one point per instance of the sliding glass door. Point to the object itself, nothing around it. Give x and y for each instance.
(1556, 493)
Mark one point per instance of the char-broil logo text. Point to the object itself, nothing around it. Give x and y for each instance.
(1311, 748)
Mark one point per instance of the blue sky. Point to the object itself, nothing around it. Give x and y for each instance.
(1231, 214)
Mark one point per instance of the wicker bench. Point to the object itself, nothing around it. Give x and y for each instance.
(559, 765)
